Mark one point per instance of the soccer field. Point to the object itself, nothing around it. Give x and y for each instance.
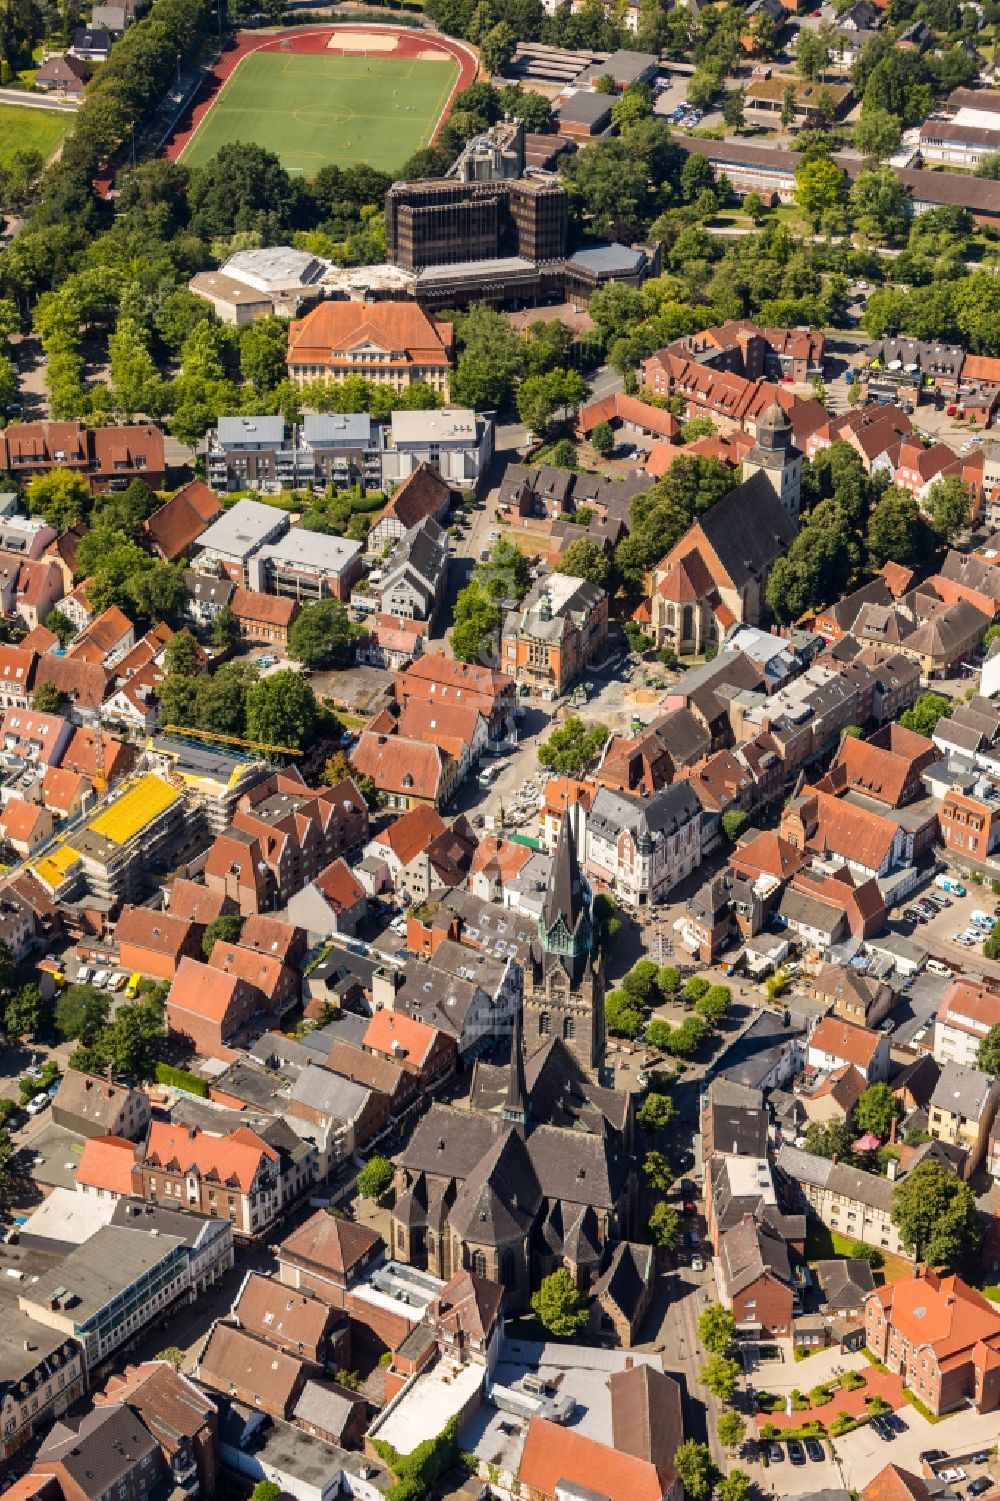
(35, 129)
(311, 110)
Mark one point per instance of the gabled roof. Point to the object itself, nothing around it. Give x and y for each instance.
(896, 1484)
(399, 1037)
(182, 519)
(842, 1039)
(161, 932)
(553, 1453)
(423, 493)
(232, 1159)
(281, 1315)
(411, 833)
(106, 1164)
(329, 1244)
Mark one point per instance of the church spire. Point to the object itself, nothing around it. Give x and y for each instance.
(515, 1109)
(565, 921)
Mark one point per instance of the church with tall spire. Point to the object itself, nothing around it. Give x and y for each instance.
(564, 982)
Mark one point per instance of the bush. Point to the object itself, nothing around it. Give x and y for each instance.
(842, 1423)
(179, 1078)
(852, 1381)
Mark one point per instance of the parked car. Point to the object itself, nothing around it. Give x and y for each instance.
(938, 967)
(775, 1453)
(896, 1423)
(982, 1458)
(984, 1483)
(101, 978)
(952, 1476)
(796, 1453)
(38, 1103)
(930, 1456)
(697, 1264)
(815, 1450)
(83, 975)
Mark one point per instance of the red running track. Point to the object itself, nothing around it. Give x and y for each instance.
(409, 44)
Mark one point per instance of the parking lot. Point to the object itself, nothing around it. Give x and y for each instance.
(938, 933)
(863, 1454)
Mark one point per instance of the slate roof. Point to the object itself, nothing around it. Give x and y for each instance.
(748, 529)
(844, 1283)
(100, 1449)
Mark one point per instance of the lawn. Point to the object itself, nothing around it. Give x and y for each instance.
(311, 110)
(823, 1245)
(33, 129)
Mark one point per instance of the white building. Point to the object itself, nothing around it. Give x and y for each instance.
(455, 441)
(643, 847)
(970, 1008)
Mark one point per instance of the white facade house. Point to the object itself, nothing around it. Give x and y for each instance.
(643, 847)
(455, 441)
(835, 1043)
(967, 1013)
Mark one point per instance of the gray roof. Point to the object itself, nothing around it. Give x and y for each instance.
(234, 430)
(100, 1449)
(331, 1094)
(95, 1273)
(648, 819)
(803, 1167)
(844, 1283)
(848, 1182)
(341, 429)
(963, 1091)
(798, 906)
(748, 528)
(135, 1215)
(290, 1452)
(610, 260)
(311, 549)
(244, 528)
(752, 1055)
(585, 109)
(326, 1406)
(739, 1130)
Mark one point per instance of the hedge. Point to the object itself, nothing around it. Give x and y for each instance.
(181, 1079)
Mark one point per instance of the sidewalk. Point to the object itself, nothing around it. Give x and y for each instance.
(792, 1373)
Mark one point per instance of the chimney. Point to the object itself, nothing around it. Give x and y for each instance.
(892, 1166)
(628, 1362)
(892, 1133)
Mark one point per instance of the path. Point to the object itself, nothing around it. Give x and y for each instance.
(410, 43)
(38, 101)
(882, 1384)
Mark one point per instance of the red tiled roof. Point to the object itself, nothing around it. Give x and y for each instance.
(233, 1158)
(106, 1162)
(340, 886)
(423, 493)
(328, 334)
(161, 932)
(269, 609)
(412, 832)
(182, 519)
(552, 1453)
(399, 1036)
(397, 764)
(857, 1045)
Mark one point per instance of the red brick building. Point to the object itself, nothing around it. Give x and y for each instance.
(234, 1177)
(941, 1337)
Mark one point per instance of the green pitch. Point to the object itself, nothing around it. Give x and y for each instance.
(310, 110)
(35, 129)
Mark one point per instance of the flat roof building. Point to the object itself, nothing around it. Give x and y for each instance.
(242, 531)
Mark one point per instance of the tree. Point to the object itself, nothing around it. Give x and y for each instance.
(787, 106)
(46, 698)
(876, 1110)
(734, 822)
(134, 1041)
(716, 1329)
(225, 629)
(560, 1307)
(375, 1178)
(477, 623)
(720, 1375)
(158, 591)
(877, 134)
(322, 633)
(181, 653)
(640, 982)
(731, 1431)
(695, 988)
(832, 1139)
(936, 1216)
(897, 532)
(664, 1226)
(879, 204)
(658, 1033)
(668, 980)
(754, 208)
(225, 929)
(489, 360)
(714, 1004)
(24, 1012)
(623, 1016)
(736, 1485)
(635, 104)
(656, 1170)
(497, 48)
(813, 54)
(949, 501)
(656, 1112)
(819, 185)
(988, 1053)
(583, 559)
(698, 1475)
(602, 439)
(266, 1490)
(56, 622)
(174, 1355)
(732, 109)
(571, 747)
(922, 717)
(61, 497)
(80, 1013)
(281, 710)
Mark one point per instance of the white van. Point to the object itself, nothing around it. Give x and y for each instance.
(938, 967)
(101, 978)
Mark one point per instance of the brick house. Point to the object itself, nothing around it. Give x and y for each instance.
(391, 343)
(234, 1176)
(264, 617)
(852, 996)
(184, 1422)
(211, 1007)
(108, 1449)
(416, 1046)
(549, 639)
(154, 943)
(622, 1294)
(288, 1319)
(754, 1279)
(835, 1043)
(326, 1256)
(941, 1337)
(248, 1370)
